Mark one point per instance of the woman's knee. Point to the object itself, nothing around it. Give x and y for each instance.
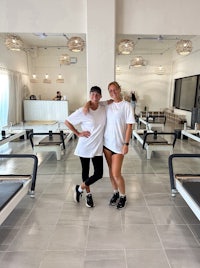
(117, 178)
(98, 175)
(93, 179)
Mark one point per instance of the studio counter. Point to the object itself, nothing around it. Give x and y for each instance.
(42, 110)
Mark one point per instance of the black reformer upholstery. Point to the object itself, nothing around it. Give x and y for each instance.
(171, 169)
(12, 184)
(189, 182)
(7, 191)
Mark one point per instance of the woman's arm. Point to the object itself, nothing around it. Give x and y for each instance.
(75, 131)
(88, 105)
(127, 138)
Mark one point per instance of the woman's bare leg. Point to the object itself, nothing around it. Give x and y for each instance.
(117, 160)
(108, 156)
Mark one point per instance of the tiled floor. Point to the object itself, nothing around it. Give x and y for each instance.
(155, 230)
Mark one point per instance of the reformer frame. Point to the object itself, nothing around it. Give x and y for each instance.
(187, 185)
(13, 187)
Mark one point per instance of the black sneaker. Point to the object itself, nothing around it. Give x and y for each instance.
(122, 202)
(77, 194)
(89, 201)
(114, 198)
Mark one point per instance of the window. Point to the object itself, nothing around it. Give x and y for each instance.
(4, 99)
(185, 91)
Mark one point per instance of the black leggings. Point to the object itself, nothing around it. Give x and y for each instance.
(98, 169)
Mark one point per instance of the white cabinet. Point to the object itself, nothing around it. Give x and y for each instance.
(45, 110)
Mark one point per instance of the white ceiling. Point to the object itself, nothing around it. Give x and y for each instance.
(155, 50)
(47, 39)
(150, 44)
(145, 45)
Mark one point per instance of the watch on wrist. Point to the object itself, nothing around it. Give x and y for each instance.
(126, 143)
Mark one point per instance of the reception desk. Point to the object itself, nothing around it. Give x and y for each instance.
(45, 110)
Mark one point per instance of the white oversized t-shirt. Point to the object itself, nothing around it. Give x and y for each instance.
(94, 122)
(118, 114)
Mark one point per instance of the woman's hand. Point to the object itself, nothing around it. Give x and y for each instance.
(125, 149)
(109, 101)
(84, 134)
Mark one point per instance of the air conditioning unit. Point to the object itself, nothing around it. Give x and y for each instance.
(73, 60)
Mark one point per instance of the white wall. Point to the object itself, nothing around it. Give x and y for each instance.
(50, 16)
(188, 65)
(16, 61)
(74, 75)
(132, 17)
(13, 60)
(151, 89)
(156, 91)
(170, 17)
(183, 67)
(101, 44)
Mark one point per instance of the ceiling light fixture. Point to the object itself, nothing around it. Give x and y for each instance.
(160, 70)
(118, 70)
(13, 43)
(60, 79)
(125, 47)
(138, 61)
(184, 47)
(34, 79)
(76, 44)
(46, 79)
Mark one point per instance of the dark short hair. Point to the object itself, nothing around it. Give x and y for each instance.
(95, 89)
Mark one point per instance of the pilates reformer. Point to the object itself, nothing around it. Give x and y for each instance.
(154, 141)
(188, 185)
(138, 133)
(4, 137)
(154, 120)
(191, 133)
(145, 114)
(52, 142)
(13, 187)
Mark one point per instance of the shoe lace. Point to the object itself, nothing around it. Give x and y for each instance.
(89, 198)
(121, 200)
(115, 196)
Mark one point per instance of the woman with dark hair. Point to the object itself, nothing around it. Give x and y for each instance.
(133, 100)
(58, 96)
(90, 142)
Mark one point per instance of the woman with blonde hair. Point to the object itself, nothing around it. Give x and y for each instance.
(119, 120)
